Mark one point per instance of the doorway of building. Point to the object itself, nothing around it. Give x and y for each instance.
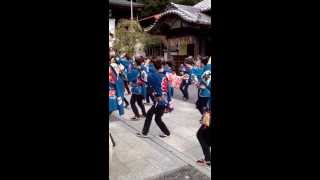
(190, 49)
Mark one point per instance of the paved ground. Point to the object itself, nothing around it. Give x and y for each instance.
(187, 172)
(156, 158)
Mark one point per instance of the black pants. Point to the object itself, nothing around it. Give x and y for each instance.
(126, 85)
(203, 136)
(137, 98)
(125, 101)
(202, 103)
(149, 95)
(158, 114)
(184, 89)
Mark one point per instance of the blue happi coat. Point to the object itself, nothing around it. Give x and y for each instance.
(128, 66)
(126, 63)
(160, 85)
(205, 85)
(116, 90)
(137, 78)
(196, 73)
(150, 68)
(202, 76)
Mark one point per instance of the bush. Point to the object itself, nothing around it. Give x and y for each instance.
(128, 33)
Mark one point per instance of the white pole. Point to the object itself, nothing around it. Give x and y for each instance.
(131, 11)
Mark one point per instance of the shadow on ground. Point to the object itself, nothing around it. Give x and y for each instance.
(185, 173)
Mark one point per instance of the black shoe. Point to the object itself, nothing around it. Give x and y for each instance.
(135, 118)
(163, 135)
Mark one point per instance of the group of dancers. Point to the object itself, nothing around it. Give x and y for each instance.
(155, 79)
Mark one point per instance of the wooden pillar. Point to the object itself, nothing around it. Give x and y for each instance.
(203, 47)
(196, 46)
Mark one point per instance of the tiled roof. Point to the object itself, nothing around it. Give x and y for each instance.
(149, 27)
(125, 3)
(203, 5)
(187, 13)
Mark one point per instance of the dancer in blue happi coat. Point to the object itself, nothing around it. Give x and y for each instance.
(203, 104)
(202, 77)
(185, 71)
(149, 68)
(116, 90)
(137, 78)
(159, 83)
(123, 72)
(127, 62)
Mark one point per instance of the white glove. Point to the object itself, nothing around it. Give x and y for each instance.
(121, 67)
(119, 100)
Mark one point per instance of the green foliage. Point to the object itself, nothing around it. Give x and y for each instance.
(128, 33)
(152, 7)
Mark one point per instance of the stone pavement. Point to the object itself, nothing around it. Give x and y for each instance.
(158, 158)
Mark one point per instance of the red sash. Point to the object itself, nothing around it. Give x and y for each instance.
(112, 76)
